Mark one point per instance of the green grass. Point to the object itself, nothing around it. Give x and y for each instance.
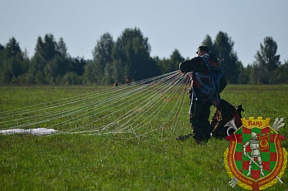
(111, 162)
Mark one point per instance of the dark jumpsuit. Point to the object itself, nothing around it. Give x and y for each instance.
(200, 108)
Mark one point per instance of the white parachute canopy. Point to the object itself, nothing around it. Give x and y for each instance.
(38, 131)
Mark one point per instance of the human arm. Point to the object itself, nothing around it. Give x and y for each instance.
(196, 64)
(244, 147)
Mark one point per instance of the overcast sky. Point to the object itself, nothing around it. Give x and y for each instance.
(168, 24)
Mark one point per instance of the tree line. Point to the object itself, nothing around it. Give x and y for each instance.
(129, 57)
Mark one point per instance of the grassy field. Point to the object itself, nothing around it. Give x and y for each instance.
(109, 162)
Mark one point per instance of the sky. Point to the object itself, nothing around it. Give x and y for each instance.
(168, 24)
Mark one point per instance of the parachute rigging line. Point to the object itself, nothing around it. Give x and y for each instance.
(136, 109)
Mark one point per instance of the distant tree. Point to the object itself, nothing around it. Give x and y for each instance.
(55, 69)
(244, 74)
(50, 61)
(266, 61)
(103, 49)
(171, 64)
(208, 42)
(267, 57)
(227, 58)
(12, 48)
(257, 74)
(77, 65)
(1, 62)
(164, 65)
(111, 72)
(44, 52)
(49, 64)
(102, 55)
(176, 59)
(36, 70)
(48, 48)
(279, 75)
(131, 56)
(62, 48)
(12, 62)
(90, 75)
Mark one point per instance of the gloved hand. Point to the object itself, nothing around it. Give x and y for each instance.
(233, 182)
(278, 124)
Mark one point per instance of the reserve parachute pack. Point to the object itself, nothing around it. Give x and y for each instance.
(213, 82)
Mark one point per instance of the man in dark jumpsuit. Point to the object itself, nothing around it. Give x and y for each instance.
(200, 103)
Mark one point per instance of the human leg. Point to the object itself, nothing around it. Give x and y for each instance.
(199, 120)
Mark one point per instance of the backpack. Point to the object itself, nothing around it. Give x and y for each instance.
(213, 82)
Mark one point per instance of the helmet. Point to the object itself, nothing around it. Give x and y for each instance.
(253, 135)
